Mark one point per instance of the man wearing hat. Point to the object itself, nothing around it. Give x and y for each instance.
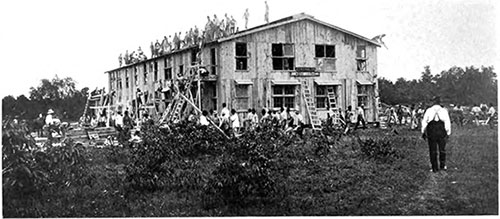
(49, 119)
(436, 127)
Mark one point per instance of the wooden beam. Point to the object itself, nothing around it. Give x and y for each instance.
(197, 109)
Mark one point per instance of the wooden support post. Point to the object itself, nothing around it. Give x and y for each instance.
(199, 111)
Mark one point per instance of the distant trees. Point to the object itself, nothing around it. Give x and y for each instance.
(58, 94)
(457, 85)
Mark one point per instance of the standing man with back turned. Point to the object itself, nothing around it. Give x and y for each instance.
(436, 128)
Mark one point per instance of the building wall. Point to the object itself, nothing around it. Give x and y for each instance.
(304, 35)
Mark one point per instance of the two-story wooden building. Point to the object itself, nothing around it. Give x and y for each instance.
(267, 66)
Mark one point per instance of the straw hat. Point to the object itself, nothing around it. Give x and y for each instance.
(50, 111)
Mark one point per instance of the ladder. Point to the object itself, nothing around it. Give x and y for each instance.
(332, 104)
(86, 106)
(311, 109)
(174, 110)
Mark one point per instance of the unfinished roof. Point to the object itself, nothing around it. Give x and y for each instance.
(292, 19)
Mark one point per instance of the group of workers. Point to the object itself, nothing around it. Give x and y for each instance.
(215, 28)
(229, 121)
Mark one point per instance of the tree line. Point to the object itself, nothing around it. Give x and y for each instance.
(467, 86)
(59, 94)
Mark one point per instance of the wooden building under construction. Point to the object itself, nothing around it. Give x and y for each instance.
(297, 62)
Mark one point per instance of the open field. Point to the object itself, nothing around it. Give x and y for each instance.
(373, 172)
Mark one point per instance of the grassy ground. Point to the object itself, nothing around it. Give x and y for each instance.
(340, 182)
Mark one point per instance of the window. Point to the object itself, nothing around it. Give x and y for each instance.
(136, 77)
(241, 56)
(361, 65)
(168, 69)
(284, 96)
(363, 93)
(181, 69)
(325, 57)
(283, 56)
(145, 77)
(155, 70)
(213, 61)
(126, 79)
(242, 97)
(361, 52)
(323, 51)
(194, 56)
(321, 97)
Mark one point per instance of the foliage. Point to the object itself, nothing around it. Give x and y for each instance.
(380, 148)
(457, 85)
(32, 172)
(191, 170)
(169, 158)
(58, 94)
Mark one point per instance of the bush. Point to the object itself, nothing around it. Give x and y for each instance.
(34, 173)
(170, 158)
(380, 148)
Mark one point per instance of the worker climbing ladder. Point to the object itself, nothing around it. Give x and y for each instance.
(311, 108)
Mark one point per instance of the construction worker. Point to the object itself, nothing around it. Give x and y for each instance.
(266, 15)
(246, 16)
(360, 112)
(225, 111)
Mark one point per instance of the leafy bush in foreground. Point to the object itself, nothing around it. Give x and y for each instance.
(30, 172)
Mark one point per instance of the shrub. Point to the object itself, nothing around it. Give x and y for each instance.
(379, 148)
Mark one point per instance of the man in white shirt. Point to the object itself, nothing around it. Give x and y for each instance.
(360, 112)
(476, 111)
(436, 128)
(235, 121)
(203, 118)
(225, 111)
(119, 120)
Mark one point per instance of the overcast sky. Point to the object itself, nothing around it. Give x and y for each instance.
(82, 39)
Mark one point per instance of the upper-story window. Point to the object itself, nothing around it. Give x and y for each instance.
(361, 58)
(155, 71)
(168, 68)
(136, 77)
(283, 57)
(145, 74)
(325, 57)
(181, 69)
(126, 79)
(241, 56)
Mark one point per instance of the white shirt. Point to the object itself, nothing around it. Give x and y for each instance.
(225, 111)
(360, 112)
(119, 120)
(491, 111)
(48, 119)
(433, 113)
(476, 110)
(203, 120)
(235, 121)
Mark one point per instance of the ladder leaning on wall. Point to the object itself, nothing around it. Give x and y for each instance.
(311, 109)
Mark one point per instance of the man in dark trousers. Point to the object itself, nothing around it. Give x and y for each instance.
(436, 128)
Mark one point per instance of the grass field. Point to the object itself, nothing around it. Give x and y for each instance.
(340, 181)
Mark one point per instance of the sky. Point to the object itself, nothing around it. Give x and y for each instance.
(83, 39)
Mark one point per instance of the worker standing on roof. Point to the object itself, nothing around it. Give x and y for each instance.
(266, 16)
(246, 15)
